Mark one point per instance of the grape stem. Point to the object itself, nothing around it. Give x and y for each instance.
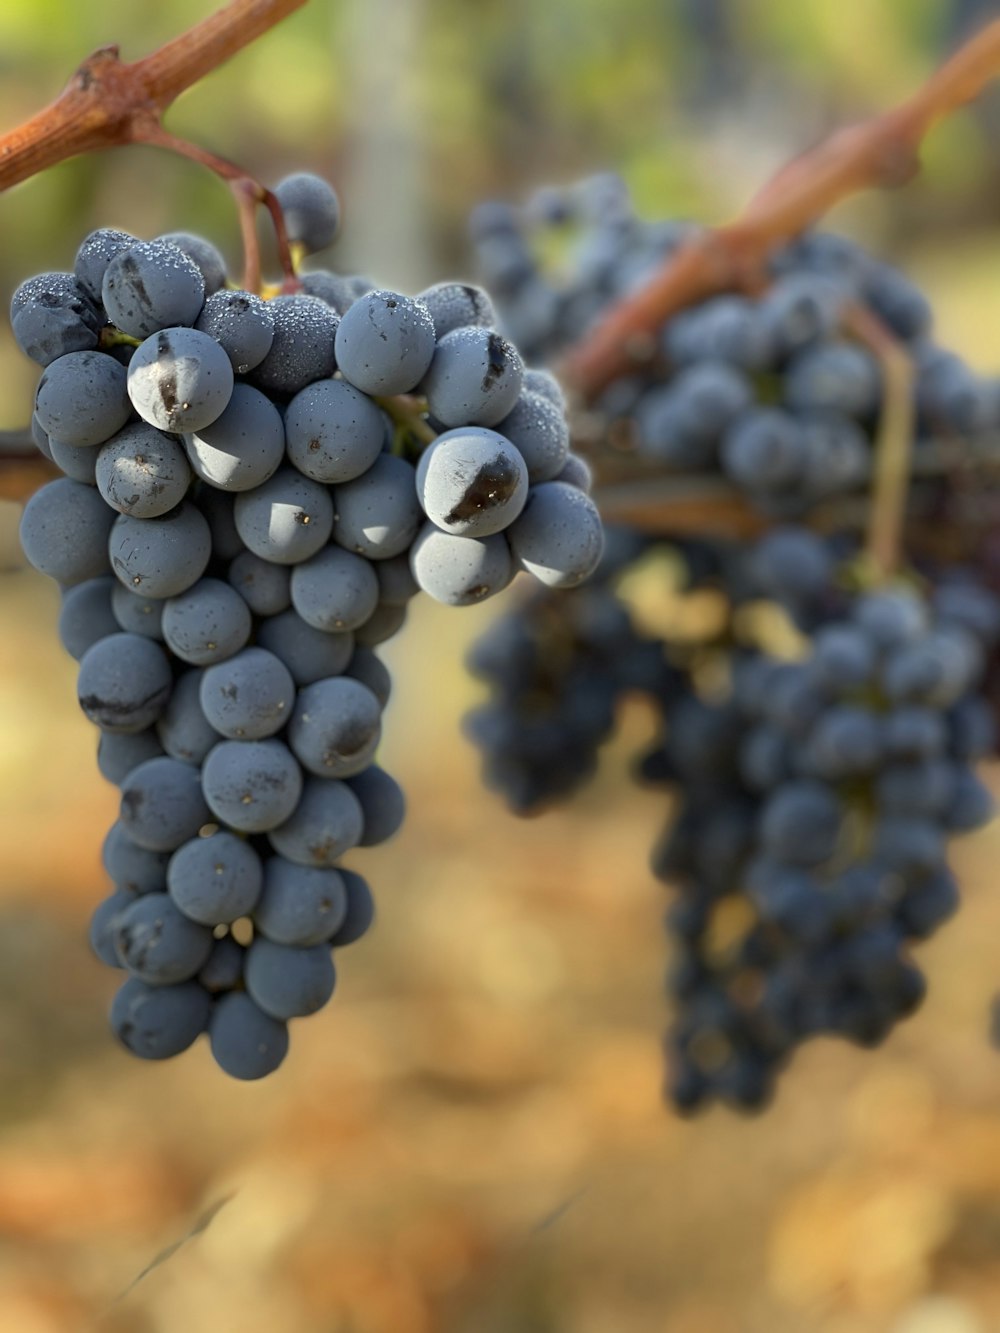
(109, 102)
(882, 151)
(893, 443)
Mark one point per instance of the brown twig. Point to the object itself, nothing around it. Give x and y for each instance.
(108, 102)
(882, 151)
(893, 442)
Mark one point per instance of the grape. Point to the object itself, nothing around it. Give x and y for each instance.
(135, 614)
(335, 590)
(209, 261)
(937, 670)
(53, 314)
(160, 557)
(251, 785)
(287, 519)
(460, 570)
(215, 880)
(246, 1042)
(118, 752)
(334, 290)
(158, 943)
(681, 423)
(472, 482)
(456, 305)
(185, 732)
(249, 696)
(843, 656)
(971, 805)
(474, 378)
(927, 904)
(924, 788)
(81, 398)
(765, 450)
(378, 515)
(382, 804)
(150, 286)
(835, 375)
(224, 969)
(545, 383)
(334, 432)
(912, 732)
(365, 666)
(792, 565)
(576, 472)
(162, 805)
(243, 447)
(95, 254)
(103, 924)
(724, 328)
(180, 380)
(558, 537)
(85, 616)
(327, 822)
(845, 742)
(156, 1022)
(264, 586)
(242, 324)
(207, 623)
(134, 868)
(538, 430)
(308, 653)
(801, 823)
(77, 461)
(383, 623)
(300, 905)
(800, 309)
(311, 210)
(142, 472)
(360, 911)
(396, 584)
(385, 343)
(335, 728)
(218, 510)
(124, 682)
(302, 348)
(289, 982)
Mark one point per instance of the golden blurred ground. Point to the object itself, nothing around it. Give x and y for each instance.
(470, 1138)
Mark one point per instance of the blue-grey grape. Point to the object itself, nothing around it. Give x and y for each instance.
(286, 981)
(241, 448)
(162, 805)
(299, 905)
(335, 727)
(326, 823)
(287, 519)
(124, 682)
(242, 324)
(378, 515)
(252, 786)
(385, 343)
(157, 1022)
(334, 432)
(215, 880)
(246, 1043)
(334, 591)
(207, 623)
(150, 286)
(248, 696)
(180, 380)
(160, 557)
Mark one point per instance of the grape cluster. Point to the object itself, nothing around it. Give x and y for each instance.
(820, 731)
(773, 391)
(253, 492)
(814, 802)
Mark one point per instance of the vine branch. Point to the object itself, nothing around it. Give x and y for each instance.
(882, 151)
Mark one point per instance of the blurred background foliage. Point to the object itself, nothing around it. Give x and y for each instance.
(470, 1139)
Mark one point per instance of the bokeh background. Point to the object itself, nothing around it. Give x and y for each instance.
(471, 1138)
